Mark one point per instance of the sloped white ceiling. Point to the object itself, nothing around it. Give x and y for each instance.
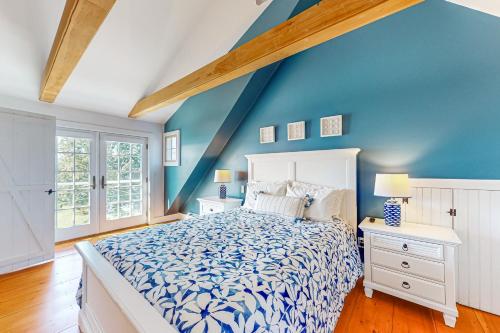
(141, 47)
(491, 7)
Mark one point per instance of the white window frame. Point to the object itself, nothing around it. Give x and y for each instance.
(177, 160)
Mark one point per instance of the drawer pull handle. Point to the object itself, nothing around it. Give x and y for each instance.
(405, 247)
(405, 264)
(405, 285)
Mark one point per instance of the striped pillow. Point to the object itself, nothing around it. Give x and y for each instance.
(254, 188)
(280, 205)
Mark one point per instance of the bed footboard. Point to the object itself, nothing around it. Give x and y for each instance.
(109, 303)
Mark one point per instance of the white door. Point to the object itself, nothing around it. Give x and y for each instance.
(76, 184)
(123, 182)
(472, 209)
(477, 223)
(26, 189)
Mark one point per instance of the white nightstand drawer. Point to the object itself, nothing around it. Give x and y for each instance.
(407, 264)
(209, 208)
(403, 245)
(414, 286)
(210, 205)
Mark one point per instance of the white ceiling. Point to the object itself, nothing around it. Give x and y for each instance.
(141, 47)
(491, 7)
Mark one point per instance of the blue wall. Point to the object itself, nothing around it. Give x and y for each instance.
(419, 92)
(207, 121)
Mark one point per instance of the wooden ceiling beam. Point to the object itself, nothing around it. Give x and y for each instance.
(79, 23)
(316, 25)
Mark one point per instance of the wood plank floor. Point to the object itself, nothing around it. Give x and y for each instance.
(384, 313)
(42, 299)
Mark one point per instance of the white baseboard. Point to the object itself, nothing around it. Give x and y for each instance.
(168, 218)
(19, 263)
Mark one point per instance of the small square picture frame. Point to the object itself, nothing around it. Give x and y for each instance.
(267, 134)
(296, 130)
(331, 126)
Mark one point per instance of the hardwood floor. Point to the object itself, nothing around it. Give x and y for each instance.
(387, 314)
(42, 299)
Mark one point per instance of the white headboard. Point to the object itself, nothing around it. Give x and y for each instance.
(335, 168)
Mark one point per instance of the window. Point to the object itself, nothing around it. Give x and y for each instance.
(171, 148)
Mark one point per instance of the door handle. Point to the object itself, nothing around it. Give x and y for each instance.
(93, 182)
(103, 182)
(50, 191)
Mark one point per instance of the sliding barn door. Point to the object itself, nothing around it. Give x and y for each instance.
(475, 216)
(26, 172)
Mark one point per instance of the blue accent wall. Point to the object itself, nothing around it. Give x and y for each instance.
(419, 92)
(207, 121)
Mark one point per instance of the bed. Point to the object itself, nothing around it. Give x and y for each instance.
(238, 271)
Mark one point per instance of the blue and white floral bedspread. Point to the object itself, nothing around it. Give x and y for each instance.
(241, 271)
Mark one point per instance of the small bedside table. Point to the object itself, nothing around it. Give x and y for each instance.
(415, 262)
(210, 205)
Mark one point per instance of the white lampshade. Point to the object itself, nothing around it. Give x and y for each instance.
(392, 185)
(222, 176)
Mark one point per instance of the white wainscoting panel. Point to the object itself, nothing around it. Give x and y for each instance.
(477, 223)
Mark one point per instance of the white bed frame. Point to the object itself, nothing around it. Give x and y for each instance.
(335, 168)
(110, 304)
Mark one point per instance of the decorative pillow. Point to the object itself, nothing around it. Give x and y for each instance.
(309, 200)
(256, 188)
(280, 205)
(323, 203)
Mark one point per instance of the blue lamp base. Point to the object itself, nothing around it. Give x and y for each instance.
(222, 192)
(392, 213)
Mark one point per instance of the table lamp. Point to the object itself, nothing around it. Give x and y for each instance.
(392, 186)
(222, 176)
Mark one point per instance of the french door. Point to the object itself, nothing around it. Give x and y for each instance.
(76, 184)
(123, 182)
(100, 183)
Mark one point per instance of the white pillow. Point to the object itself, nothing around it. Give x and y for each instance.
(280, 205)
(254, 188)
(326, 204)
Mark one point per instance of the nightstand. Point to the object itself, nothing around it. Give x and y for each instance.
(210, 205)
(415, 262)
